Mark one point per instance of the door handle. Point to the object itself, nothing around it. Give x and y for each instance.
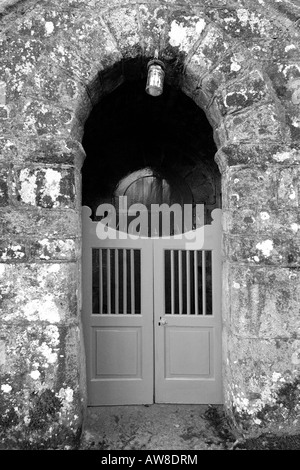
(162, 321)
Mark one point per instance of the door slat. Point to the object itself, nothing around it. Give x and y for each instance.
(124, 282)
(196, 282)
(180, 281)
(132, 281)
(203, 283)
(172, 284)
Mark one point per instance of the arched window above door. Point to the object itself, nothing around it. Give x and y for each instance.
(149, 187)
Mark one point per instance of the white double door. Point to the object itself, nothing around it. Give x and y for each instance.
(152, 318)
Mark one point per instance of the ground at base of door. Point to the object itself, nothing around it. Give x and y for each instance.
(153, 427)
(171, 427)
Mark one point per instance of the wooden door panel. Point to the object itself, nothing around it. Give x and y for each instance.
(118, 352)
(120, 283)
(121, 368)
(117, 287)
(188, 317)
(188, 352)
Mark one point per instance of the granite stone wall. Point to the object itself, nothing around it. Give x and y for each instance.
(240, 62)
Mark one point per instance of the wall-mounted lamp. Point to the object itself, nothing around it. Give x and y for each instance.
(156, 75)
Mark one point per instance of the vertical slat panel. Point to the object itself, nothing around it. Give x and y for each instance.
(172, 284)
(137, 287)
(116, 281)
(124, 282)
(167, 280)
(188, 283)
(108, 281)
(132, 281)
(100, 282)
(209, 280)
(95, 280)
(196, 282)
(203, 283)
(180, 280)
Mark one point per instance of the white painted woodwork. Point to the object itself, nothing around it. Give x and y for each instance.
(169, 349)
(119, 346)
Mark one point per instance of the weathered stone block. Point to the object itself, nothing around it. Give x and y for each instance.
(262, 122)
(281, 222)
(270, 250)
(68, 57)
(285, 76)
(49, 249)
(42, 117)
(50, 187)
(8, 150)
(65, 59)
(289, 9)
(2, 355)
(263, 380)
(38, 222)
(242, 22)
(293, 122)
(288, 186)
(240, 221)
(242, 94)
(45, 148)
(3, 187)
(92, 5)
(74, 357)
(4, 112)
(12, 251)
(97, 51)
(23, 53)
(153, 20)
(261, 342)
(40, 397)
(253, 187)
(241, 154)
(228, 68)
(212, 47)
(123, 23)
(184, 30)
(42, 23)
(51, 83)
(35, 352)
(38, 292)
(264, 221)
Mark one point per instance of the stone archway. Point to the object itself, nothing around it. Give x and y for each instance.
(240, 66)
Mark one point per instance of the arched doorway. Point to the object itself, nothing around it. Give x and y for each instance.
(153, 332)
(128, 131)
(241, 68)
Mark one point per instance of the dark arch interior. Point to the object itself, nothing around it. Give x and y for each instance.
(129, 130)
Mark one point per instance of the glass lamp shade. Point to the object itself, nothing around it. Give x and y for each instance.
(155, 78)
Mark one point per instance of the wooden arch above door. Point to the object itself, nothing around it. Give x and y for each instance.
(151, 186)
